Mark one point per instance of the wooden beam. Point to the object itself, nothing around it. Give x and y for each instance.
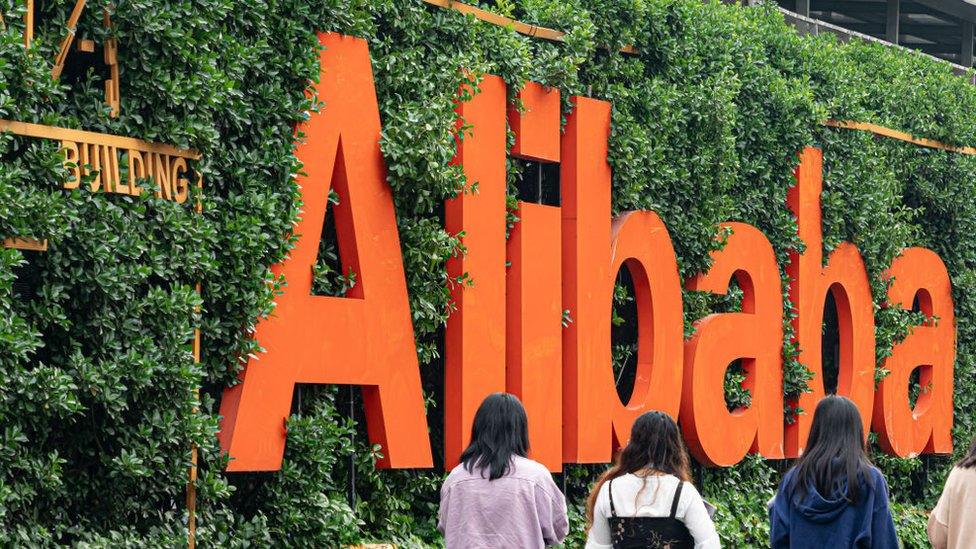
(534, 31)
(67, 40)
(899, 135)
(112, 85)
(27, 129)
(19, 243)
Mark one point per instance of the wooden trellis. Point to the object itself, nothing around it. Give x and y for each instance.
(103, 148)
(110, 48)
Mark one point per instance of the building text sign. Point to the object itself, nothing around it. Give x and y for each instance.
(507, 334)
(101, 160)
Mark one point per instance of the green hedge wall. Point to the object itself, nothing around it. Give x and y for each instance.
(97, 401)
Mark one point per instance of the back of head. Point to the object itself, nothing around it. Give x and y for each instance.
(835, 462)
(656, 445)
(500, 432)
(969, 460)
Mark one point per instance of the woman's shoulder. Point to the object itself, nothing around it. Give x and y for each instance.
(526, 464)
(689, 492)
(875, 481)
(876, 477)
(962, 476)
(633, 483)
(459, 472)
(789, 475)
(784, 494)
(529, 468)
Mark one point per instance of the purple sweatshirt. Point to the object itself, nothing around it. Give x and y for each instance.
(521, 509)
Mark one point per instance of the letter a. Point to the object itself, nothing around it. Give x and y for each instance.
(903, 430)
(753, 335)
(365, 338)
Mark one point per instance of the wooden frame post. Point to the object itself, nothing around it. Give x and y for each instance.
(67, 40)
(29, 24)
(191, 483)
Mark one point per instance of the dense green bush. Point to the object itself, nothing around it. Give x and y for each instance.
(97, 400)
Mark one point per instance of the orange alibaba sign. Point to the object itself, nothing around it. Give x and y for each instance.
(507, 332)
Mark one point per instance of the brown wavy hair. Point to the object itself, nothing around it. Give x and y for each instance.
(655, 446)
(969, 460)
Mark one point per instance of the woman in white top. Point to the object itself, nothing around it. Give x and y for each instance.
(653, 503)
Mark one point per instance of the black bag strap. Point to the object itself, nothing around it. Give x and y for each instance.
(677, 497)
(613, 511)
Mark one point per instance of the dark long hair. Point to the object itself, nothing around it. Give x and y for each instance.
(500, 431)
(655, 445)
(835, 452)
(970, 459)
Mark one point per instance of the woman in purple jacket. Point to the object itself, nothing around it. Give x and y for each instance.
(497, 497)
(833, 496)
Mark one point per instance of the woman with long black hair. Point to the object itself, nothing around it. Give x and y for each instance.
(646, 499)
(496, 496)
(833, 496)
(952, 524)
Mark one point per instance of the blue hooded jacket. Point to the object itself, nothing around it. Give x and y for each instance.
(817, 521)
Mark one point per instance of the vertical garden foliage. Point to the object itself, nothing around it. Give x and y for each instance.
(98, 401)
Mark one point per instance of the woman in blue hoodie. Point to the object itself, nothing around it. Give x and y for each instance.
(833, 496)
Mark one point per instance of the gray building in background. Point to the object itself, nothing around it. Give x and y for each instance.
(938, 28)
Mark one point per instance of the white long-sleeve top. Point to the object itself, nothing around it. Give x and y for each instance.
(654, 501)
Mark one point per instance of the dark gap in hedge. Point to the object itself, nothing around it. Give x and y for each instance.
(915, 379)
(432, 378)
(331, 275)
(349, 402)
(830, 345)
(538, 182)
(623, 336)
(27, 277)
(80, 65)
(736, 396)
(915, 385)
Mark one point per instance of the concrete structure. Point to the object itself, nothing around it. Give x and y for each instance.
(938, 28)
